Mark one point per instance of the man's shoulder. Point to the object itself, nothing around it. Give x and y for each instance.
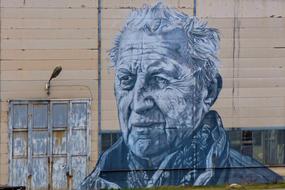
(113, 159)
(244, 169)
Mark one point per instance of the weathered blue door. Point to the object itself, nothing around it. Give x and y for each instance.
(49, 143)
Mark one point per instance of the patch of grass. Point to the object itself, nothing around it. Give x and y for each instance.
(221, 187)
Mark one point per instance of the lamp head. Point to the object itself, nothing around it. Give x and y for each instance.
(55, 72)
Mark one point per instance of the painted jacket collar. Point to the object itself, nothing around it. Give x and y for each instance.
(204, 159)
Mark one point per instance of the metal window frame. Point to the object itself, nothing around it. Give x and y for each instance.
(254, 129)
(107, 132)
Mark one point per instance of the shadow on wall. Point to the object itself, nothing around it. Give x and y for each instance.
(166, 81)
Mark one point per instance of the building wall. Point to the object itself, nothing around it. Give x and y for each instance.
(252, 56)
(37, 35)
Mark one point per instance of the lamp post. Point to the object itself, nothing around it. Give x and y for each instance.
(55, 73)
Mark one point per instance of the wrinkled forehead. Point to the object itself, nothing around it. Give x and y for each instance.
(143, 48)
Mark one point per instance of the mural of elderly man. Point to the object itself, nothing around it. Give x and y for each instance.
(166, 81)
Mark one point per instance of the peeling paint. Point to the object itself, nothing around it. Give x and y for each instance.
(59, 114)
(20, 144)
(49, 145)
(21, 116)
(79, 142)
(78, 170)
(40, 115)
(79, 115)
(20, 171)
(40, 173)
(40, 143)
(59, 169)
(59, 142)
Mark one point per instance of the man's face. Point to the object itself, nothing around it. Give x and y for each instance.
(159, 99)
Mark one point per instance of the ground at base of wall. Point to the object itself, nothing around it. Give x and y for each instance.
(279, 186)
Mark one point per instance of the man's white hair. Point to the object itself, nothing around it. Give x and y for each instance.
(202, 41)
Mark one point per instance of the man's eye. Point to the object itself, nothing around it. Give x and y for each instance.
(160, 81)
(127, 82)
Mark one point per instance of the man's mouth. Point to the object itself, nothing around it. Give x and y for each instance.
(147, 124)
(145, 130)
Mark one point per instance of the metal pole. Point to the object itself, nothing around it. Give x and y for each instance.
(99, 75)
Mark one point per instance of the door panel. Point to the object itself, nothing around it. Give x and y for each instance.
(78, 169)
(40, 173)
(19, 172)
(59, 170)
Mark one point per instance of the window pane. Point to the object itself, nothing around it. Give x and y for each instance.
(59, 142)
(59, 114)
(281, 147)
(106, 141)
(115, 137)
(40, 142)
(40, 112)
(246, 148)
(20, 142)
(270, 147)
(20, 116)
(235, 139)
(79, 115)
(78, 142)
(257, 139)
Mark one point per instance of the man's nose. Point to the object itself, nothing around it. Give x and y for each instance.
(142, 99)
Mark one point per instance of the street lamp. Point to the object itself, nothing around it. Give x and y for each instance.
(54, 74)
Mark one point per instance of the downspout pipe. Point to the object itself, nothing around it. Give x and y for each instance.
(99, 76)
(195, 8)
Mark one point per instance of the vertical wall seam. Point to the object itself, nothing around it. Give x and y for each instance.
(1, 74)
(195, 8)
(99, 76)
(235, 53)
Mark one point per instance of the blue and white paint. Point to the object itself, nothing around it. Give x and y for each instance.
(166, 81)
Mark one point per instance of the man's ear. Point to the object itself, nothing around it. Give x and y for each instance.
(214, 89)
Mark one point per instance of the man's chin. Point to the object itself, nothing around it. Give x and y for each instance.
(141, 147)
(146, 152)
